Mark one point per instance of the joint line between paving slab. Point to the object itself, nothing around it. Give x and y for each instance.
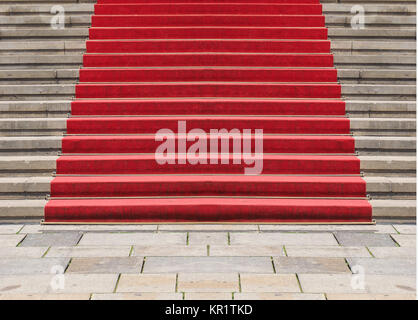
(299, 284)
(45, 253)
(143, 265)
(394, 240)
(367, 248)
(117, 283)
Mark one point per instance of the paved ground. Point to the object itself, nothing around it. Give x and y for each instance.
(207, 262)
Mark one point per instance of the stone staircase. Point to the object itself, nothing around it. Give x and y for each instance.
(39, 68)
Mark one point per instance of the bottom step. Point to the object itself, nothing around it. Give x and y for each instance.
(208, 210)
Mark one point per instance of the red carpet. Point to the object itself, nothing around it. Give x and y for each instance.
(224, 64)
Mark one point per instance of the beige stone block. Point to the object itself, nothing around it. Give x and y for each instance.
(405, 240)
(368, 296)
(269, 283)
(138, 296)
(208, 296)
(326, 252)
(205, 238)
(242, 251)
(147, 283)
(11, 240)
(277, 296)
(166, 251)
(22, 252)
(208, 282)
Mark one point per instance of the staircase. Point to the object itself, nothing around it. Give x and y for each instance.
(377, 79)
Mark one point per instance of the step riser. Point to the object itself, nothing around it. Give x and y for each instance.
(289, 144)
(152, 125)
(211, 90)
(201, 75)
(208, 33)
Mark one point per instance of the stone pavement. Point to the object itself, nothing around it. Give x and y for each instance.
(207, 262)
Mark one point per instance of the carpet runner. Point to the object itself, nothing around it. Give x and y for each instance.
(231, 65)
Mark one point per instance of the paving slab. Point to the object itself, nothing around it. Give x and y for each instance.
(37, 228)
(399, 266)
(147, 283)
(242, 251)
(205, 238)
(207, 227)
(208, 296)
(123, 239)
(16, 266)
(406, 228)
(208, 264)
(310, 265)
(208, 282)
(342, 283)
(63, 239)
(10, 240)
(10, 228)
(318, 228)
(106, 265)
(405, 240)
(393, 252)
(357, 239)
(269, 283)
(59, 296)
(326, 251)
(278, 296)
(283, 238)
(164, 251)
(22, 252)
(385, 228)
(138, 296)
(89, 252)
(369, 296)
(72, 283)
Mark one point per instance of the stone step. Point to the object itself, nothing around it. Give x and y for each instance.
(43, 33)
(30, 8)
(379, 109)
(42, 47)
(57, 61)
(374, 20)
(370, 165)
(37, 92)
(51, 145)
(373, 47)
(366, 126)
(60, 109)
(378, 92)
(394, 209)
(389, 209)
(39, 187)
(391, 187)
(375, 61)
(363, 75)
(44, 76)
(373, 76)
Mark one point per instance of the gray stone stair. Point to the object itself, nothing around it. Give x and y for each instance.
(39, 68)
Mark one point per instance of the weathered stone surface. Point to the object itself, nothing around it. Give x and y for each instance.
(208, 264)
(277, 296)
(106, 265)
(35, 296)
(208, 227)
(326, 252)
(393, 252)
(16, 266)
(22, 252)
(36, 228)
(89, 252)
(72, 283)
(63, 239)
(123, 239)
(10, 240)
(208, 282)
(356, 239)
(317, 228)
(205, 238)
(165, 251)
(242, 251)
(138, 296)
(283, 238)
(399, 266)
(147, 283)
(310, 265)
(406, 228)
(405, 240)
(10, 228)
(342, 283)
(368, 296)
(269, 283)
(208, 296)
